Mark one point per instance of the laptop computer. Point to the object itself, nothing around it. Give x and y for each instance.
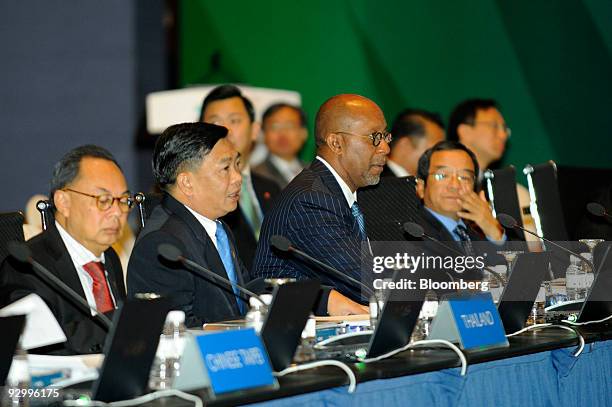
(398, 318)
(129, 351)
(11, 328)
(288, 313)
(521, 291)
(598, 303)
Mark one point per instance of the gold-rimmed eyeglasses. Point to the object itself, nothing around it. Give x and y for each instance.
(376, 137)
(106, 201)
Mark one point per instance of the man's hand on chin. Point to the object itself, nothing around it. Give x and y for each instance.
(338, 304)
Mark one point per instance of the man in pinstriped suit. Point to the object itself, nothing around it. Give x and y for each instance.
(318, 210)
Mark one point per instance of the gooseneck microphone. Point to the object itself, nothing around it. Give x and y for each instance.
(173, 254)
(283, 244)
(509, 222)
(598, 210)
(22, 253)
(416, 230)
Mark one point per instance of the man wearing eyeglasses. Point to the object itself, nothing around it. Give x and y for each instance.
(91, 203)
(479, 125)
(453, 211)
(318, 210)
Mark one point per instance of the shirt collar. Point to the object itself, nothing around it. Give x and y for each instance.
(350, 196)
(449, 223)
(397, 169)
(289, 169)
(209, 225)
(78, 253)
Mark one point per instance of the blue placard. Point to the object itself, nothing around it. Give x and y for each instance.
(477, 321)
(235, 360)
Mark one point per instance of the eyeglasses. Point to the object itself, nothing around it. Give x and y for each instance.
(376, 137)
(445, 174)
(495, 126)
(106, 201)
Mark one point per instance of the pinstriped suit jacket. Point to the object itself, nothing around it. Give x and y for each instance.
(313, 214)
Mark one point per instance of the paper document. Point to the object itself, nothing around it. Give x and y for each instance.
(41, 328)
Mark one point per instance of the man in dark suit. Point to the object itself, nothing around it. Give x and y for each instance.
(226, 106)
(318, 211)
(198, 169)
(87, 183)
(447, 185)
(284, 131)
(452, 209)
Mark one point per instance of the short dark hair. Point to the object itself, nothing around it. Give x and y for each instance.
(409, 123)
(67, 168)
(278, 106)
(183, 146)
(446, 145)
(226, 92)
(465, 113)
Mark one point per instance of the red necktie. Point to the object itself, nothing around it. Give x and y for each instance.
(101, 292)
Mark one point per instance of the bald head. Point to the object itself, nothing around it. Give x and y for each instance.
(344, 130)
(344, 113)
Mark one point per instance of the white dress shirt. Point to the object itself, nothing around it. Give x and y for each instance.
(80, 256)
(397, 169)
(209, 225)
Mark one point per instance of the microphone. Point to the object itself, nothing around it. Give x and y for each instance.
(598, 210)
(509, 222)
(416, 230)
(284, 245)
(173, 254)
(22, 253)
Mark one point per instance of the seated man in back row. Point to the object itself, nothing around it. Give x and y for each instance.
(91, 202)
(318, 210)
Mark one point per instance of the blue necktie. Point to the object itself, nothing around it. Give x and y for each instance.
(225, 252)
(360, 220)
(462, 233)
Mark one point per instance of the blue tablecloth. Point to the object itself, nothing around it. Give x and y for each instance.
(555, 379)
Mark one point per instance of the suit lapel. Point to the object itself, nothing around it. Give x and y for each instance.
(329, 181)
(64, 267)
(210, 253)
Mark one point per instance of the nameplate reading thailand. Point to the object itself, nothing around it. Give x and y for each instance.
(235, 360)
(471, 320)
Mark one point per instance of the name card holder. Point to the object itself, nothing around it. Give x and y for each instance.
(471, 320)
(225, 362)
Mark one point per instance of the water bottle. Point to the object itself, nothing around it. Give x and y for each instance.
(576, 279)
(18, 381)
(257, 313)
(166, 366)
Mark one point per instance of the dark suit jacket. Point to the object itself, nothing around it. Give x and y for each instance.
(265, 190)
(432, 227)
(313, 214)
(201, 299)
(17, 280)
(269, 170)
(386, 172)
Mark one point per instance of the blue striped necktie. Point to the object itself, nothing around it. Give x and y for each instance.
(225, 252)
(360, 220)
(462, 233)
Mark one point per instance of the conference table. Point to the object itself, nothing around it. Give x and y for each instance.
(537, 369)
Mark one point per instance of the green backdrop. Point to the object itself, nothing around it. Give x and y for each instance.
(548, 63)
